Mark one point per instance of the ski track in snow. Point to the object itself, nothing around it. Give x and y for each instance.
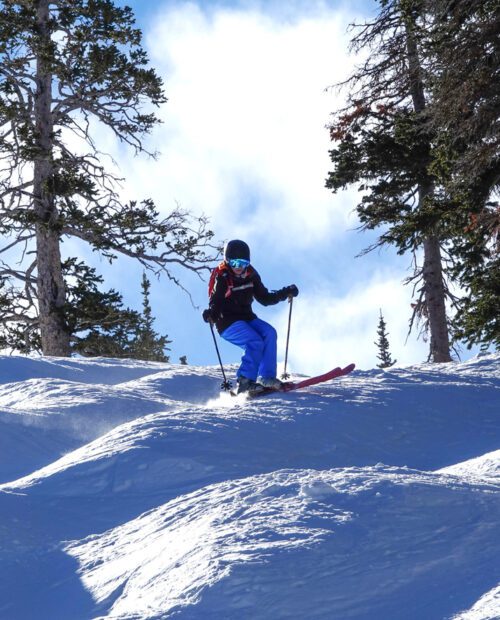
(137, 490)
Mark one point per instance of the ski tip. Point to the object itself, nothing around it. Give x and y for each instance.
(349, 368)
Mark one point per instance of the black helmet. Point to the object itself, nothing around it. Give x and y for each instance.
(236, 249)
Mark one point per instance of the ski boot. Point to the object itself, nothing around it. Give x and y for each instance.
(271, 383)
(245, 385)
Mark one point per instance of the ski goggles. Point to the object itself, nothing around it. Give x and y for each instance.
(238, 263)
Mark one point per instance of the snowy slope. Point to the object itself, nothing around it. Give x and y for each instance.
(136, 490)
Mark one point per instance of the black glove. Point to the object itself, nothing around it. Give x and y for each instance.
(289, 291)
(209, 315)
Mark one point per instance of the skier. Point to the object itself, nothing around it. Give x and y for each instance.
(232, 288)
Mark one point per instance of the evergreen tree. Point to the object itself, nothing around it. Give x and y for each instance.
(464, 46)
(465, 110)
(382, 142)
(477, 268)
(383, 345)
(97, 322)
(147, 344)
(65, 68)
(183, 360)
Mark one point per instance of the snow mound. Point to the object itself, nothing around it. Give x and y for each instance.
(302, 544)
(485, 467)
(485, 609)
(136, 490)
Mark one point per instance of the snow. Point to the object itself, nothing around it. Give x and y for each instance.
(135, 490)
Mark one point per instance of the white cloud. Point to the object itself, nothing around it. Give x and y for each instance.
(328, 331)
(244, 136)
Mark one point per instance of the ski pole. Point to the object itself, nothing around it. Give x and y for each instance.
(285, 375)
(225, 385)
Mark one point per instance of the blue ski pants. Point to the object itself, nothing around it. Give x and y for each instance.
(258, 339)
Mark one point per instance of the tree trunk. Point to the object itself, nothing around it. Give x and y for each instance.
(50, 281)
(435, 301)
(432, 273)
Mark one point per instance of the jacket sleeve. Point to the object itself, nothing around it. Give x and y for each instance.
(262, 295)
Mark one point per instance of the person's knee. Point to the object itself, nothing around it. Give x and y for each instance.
(271, 334)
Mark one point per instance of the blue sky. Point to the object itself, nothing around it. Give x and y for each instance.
(243, 141)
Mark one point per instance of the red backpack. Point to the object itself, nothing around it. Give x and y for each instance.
(221, 268)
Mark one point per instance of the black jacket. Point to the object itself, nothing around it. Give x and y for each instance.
(232, 297)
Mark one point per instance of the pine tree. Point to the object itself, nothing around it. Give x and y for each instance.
(383, 345)
(465, 48)
(147, 344)
(477, 268)
(465, 71)
(183, 360)
(381, 142)
(97, 322)
(66, 68)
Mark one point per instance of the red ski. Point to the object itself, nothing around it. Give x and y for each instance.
(288, 387)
